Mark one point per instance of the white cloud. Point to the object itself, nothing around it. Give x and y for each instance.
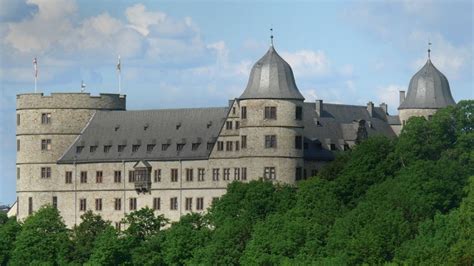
(390, 95)
(308, 63)
(447, 57)
(140, 19)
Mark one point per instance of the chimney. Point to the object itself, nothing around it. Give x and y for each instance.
(319, 107)
(402, 97)
(370, 108)
(384, 107)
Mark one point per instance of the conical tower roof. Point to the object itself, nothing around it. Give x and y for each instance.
(271, 78)
(428, 89)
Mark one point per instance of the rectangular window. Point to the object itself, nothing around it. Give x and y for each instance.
(164, 147)
(133, 204)
(243, 112)
(226, 174)
(98, 204)
(46, 144)
(17, 145)
(174, 175)
(68, 177)
(30, 205)
(299, 113)
(46, 118)
(298, 173)
(118, 204)
(269, 173)
(270, 112)
(157, 175)
(173, 203)
(131, 176)
(333, 147)
(107, 148)
(55, 202)
(298, 142)
(236, 173)
(201, 173)
(243, 141)
(237, 124)
(83, 177)
(233, 110)
(135, 148)
(79, 149)
(270, 141)
(121, 148)
(199, 204)
(98, 177)
(82, 205)
(237, 145)
(228, 145)
(17, 119)
(228, 125)
(156, 204)
(189, 204)
(179, 146)
(220, 145)
(243, 173)
(189, 174)
(18, 173)
(117, 176)
(215, 174)
(150, 147)
(45, 172)
(118, 226)
(93, 148)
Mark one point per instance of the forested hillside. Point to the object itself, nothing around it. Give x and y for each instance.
(408, 200)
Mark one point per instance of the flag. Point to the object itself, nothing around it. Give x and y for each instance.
(35, 65)
(119, 67)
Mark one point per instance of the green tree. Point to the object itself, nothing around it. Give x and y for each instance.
(9, 230)
(110, 249)
(143, 223)
(85, 234)
(43, 239)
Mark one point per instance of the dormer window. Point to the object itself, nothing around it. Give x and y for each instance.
(107, 148)
(79, 149)
(93, 148)
(178, 126)
(209, 124)
(150, 147)
(117, 127)
(210, 145)
(145, 127)
(270, 112)
(164, 146)
(179, 146)
(121, 148)
(135, 148)
(195, 146)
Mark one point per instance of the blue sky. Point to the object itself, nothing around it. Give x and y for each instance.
(194, 54)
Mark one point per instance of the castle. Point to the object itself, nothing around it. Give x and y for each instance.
(79, 152)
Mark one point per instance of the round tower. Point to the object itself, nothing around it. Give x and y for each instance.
(428, 91)
(271, 121)
(46, 127)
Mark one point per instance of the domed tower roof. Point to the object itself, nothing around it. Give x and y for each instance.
(271, 78)
(428, 89)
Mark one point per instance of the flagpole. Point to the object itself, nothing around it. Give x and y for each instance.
(35, 66)
(119, 69)
(35, 82)
(120, 82)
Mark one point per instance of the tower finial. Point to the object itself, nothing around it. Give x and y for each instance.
(429, 49)
(271, 36)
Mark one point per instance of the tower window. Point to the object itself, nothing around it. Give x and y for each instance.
(269, 173)
(243, 142)
(17, 119)
(243, 112)
(45, 172)
(270, 141)
(17, 145)
(46, 118)
(298, 142)
(299, 113)
(270, 112)
(30, 205)
(46, 144)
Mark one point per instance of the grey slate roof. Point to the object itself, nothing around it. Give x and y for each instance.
(271, 78)
(337, 124)
(173, 126)
(428, 88)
